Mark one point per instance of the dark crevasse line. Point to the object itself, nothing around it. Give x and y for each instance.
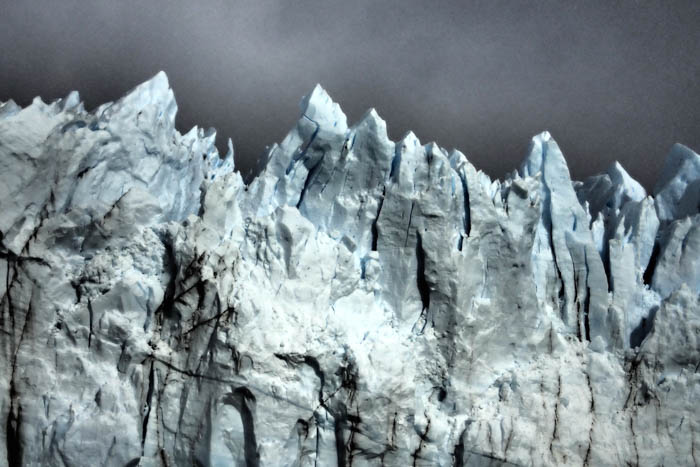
(605, 258)
(639, 333)
(587, 300)
(546, 214)
(149, 397)
(408, 226)
(634, 439)
(467, 212)
(339, 420)
(592, 412)
(12, 277)
(351, 446)
(90, 317)
(7, 298)
(579, 319)
(586, 315)
(310, 176)
(421, 282)
(653, 261)
(555, 431)
(395, 163)
(13, 441)
(313, 363)
(77, 288)
(250, 445)
(375, 229)
(467, 207)
(562, 287)
(459, 451)
(645, 326)
(166, 307)
(423, 439)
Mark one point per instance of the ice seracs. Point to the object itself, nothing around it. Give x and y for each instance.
(676, 192)
(360, 302)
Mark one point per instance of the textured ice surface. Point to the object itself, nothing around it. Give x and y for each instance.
(360, 302)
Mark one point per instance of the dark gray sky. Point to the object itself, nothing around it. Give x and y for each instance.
(610, 80)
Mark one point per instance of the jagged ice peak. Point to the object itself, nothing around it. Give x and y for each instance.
(360, 302)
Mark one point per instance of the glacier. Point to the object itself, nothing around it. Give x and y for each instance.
(360, 302)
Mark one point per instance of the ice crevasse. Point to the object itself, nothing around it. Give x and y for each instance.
(360, 302)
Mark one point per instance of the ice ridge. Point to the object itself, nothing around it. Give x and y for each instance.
(360, 302)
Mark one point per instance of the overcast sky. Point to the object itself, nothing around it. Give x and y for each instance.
(611, 80)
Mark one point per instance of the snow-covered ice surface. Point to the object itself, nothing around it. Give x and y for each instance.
(361, 302)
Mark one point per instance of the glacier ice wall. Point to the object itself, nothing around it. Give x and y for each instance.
(361, 302)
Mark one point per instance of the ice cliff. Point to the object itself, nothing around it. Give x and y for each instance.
(361, 302)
